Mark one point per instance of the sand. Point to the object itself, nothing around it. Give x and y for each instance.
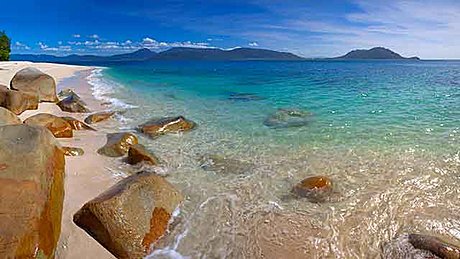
(87, 175)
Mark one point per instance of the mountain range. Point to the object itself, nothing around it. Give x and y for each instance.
(182, 53)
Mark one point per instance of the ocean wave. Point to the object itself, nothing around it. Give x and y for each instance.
(103, 87)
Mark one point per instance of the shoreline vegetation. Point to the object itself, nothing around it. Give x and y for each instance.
(44, 118)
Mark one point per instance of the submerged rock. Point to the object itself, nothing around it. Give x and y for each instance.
(77, 125)
(8, 118)
(31, 192)
(157, 127)
(138, 153)
(73, 151)
(35, 82)
(316, 188)
(220, 164)
(131, 216)
(244, 97)
(118, 144)
(73, 103)
(287, 118)
(17, 101)
(99, 116)
(419, 247)
(59, 127)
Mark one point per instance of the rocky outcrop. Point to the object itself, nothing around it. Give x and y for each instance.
(220, 164)
(316, 188)
(31, 192)
(99, 116)
(157, 127)
(8, 118)
(73, 151)
(118, 144)
(288, 118)
(420, 246)
(77, 125)
(59, 127)
(138, 153)
(17, 101)
(73, 103)
(35, 82)
(130, 217)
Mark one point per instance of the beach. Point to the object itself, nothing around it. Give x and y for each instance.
(85, 176)
(237, 168)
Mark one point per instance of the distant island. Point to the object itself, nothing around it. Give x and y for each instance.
(374, 53)
(207, 54)
(179, 53)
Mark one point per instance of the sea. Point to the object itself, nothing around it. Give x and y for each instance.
(386, 132)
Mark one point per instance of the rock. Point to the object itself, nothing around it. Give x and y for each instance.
(77, 125)
(287, 118)
(118, 144)
(31, 192)
(73, 151)
(138, 153)
(68, 92)
(17, 101)
(224, 165)
(59, 127)
(35, 82)
(73, 103)
(316, 188)
(8, 118)
(130, 217)
(157, 127)
(419, 247)
(99, 116)
(244, 97)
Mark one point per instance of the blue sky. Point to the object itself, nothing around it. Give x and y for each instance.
(429, 29)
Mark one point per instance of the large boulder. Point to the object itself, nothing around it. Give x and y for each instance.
(35, 82)
(17, 101)
(99, 116)
(130, 217)
(59, 127)
(157, 127)
(31, 192)
(288, 118)
(8, 118)
(316, 188)
(420, 247)
(118, 144)
(73, 103)
(138, 153)
(77, 125)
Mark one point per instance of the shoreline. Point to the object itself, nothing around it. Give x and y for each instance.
(83, 181)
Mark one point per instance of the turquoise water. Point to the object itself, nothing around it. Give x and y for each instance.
(354, 104)
(387, 133)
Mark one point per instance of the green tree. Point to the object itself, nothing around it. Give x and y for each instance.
(5, 47)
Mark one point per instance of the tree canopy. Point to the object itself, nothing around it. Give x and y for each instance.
(5, 47)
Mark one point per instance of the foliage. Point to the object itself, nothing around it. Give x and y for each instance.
(5, 47)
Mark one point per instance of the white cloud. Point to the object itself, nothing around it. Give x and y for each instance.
(94, 36)
(76, 35)
(20, 46)
(253, 44)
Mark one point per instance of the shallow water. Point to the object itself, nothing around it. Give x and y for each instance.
(387, 133)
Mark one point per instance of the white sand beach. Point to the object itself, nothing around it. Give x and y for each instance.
(86, 176)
